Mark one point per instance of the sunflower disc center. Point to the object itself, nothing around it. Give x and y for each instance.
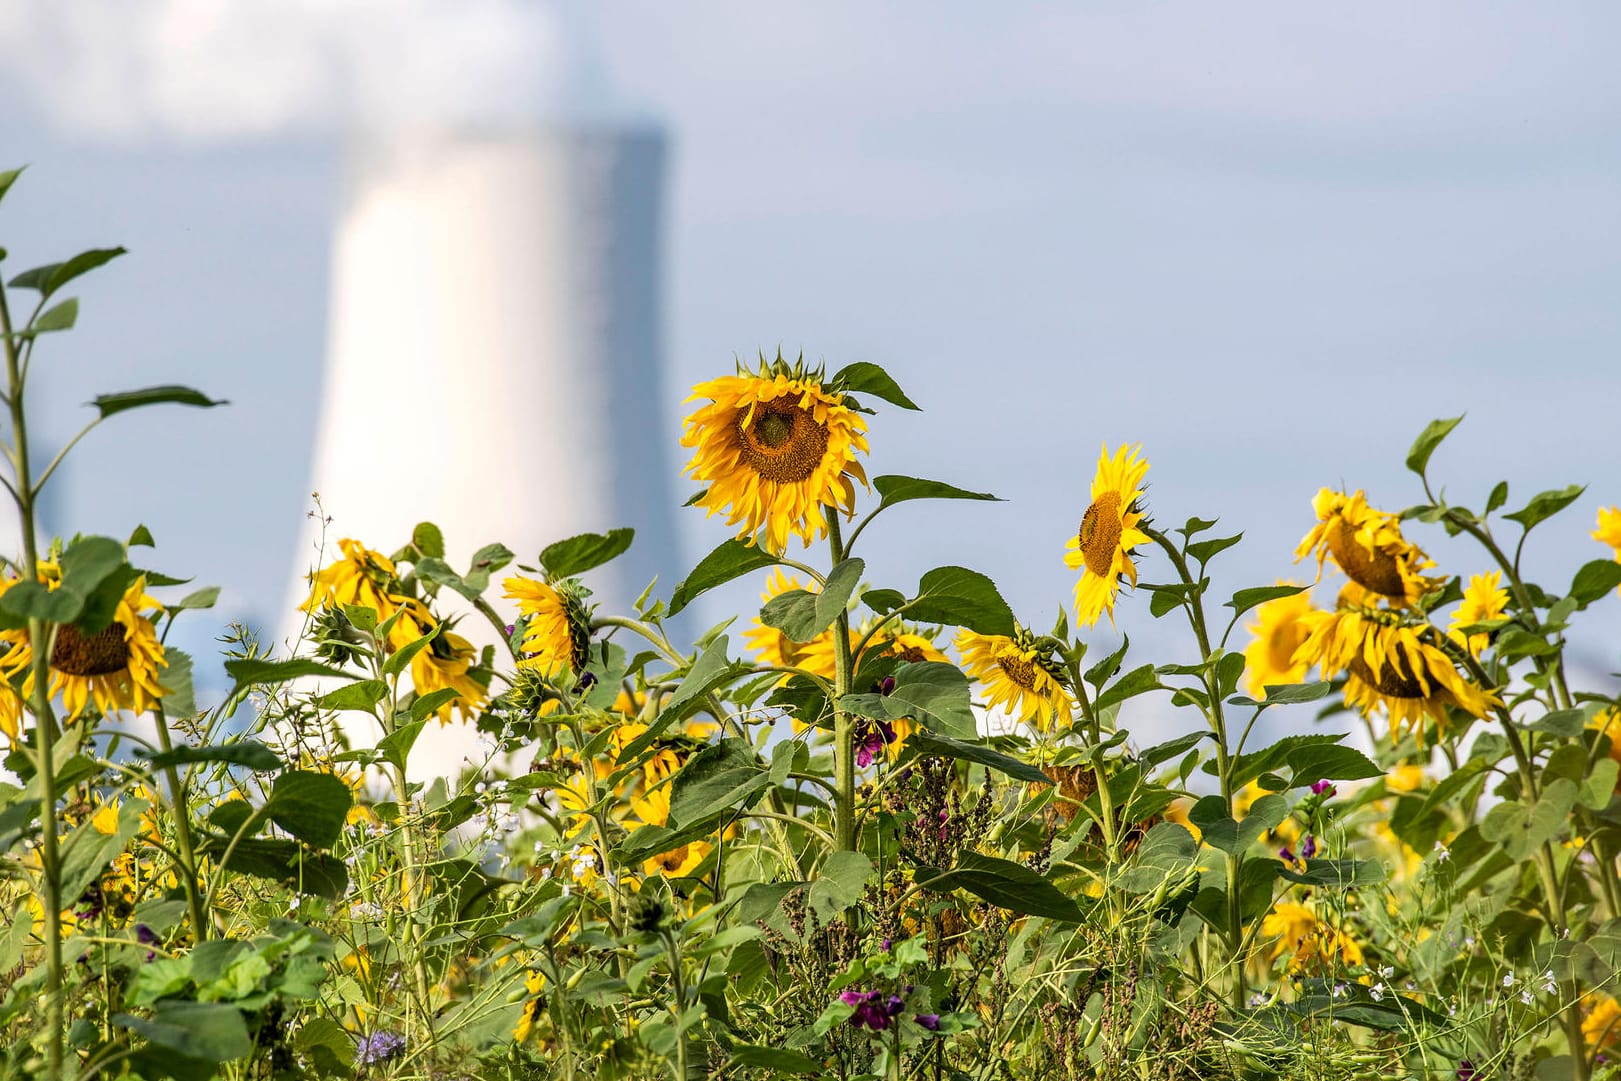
(1375, 571)
(1100, 533)
(1393, 682)
(1018, 670)
(783, 443)
(99, 654)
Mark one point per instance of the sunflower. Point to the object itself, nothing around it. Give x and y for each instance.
(775, 448)
(1368, 546)
(1103, 546)
(773, 647)
(1312, 944)
(117, 667)
(362, 577)
(1601, 1028)
(1484, 601)
(557, 634)
(1390, 663)
(533, 1008)
(1017, 677)
(1280, 627)
(1607, 723)
(447, 662)
(1609, 530)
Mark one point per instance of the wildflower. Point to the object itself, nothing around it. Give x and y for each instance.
(1368, 546)
(775, 448)
(362, 578)
(873, 1009)
(1483, 601)
(1377, 992)
(1109, 532)
(930, 1021)
(1016, 675)
(557, 634)
(1308, 847)
(1549, 985)
(1286, 854)
(1281, 627)
(874, 737)
(1322, 788)
(1508, 979)
(1467, 1071)
(534, 983)
(1442, 852)
(1340, 990)
(147, 937)
(378, 1047)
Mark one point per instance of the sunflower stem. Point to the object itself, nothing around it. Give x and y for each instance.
(182, 826)
(42, 636)
(844, 774)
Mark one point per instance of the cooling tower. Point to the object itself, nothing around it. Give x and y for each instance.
(494, 351)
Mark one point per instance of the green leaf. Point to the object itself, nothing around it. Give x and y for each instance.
(839, 883)
(1168, 849)
(1336, 874)
(883, 601)
(934, 694)
(361, 695)
(211, 1031)
(396, 746)
(53, 276)
(709, 671)
(329, 1049)
(865, 378)
(1218, 829)
(896, 489)
(58, 317)
(400, 658)
(802, 615)
(1598, 787)
(8, 178)
(1498, 497)
(428, 539)
(1329, 762)
(260, 673)
(110, 404)
(142, 537)
(780, 1059)
(1545, 505)
(486, 561)
(1205, 549)
(925, 742)
(87, 851)
(1245, 599)
(726, 776)
(1418, 458)
(1137, 681)
(1271, 759)
(1164, 752)
(959, 597)
(198, 598)
(1519, 830)
(310, 806)
(425, 706)
(1595, 581)
(32, 600)
(1004, 884)
(239, 752)
(575, 556)
(731, 560)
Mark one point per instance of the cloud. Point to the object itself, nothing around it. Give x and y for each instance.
(199, 70)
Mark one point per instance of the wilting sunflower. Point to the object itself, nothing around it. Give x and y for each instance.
(1391, 663)
(1016, 677)
(1368, 546)
(362, 577)
(558, 634)
(1312, 944)
(448, 661)
(1102, 547)
(773, 647)
(1280, 627)
(775, 448)
(1484, 601)
(117, 667)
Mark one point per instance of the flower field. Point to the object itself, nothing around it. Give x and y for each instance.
(871, 829)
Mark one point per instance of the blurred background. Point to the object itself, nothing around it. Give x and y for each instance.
(1269, 243)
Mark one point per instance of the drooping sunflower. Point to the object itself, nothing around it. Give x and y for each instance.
(1483, 601)
(1016, 676)
(1102, 547)
(653, 808)
(448, 662)
(1391, 663)
(558, 633)
(1368, 546)
(773, 647)
(775, 448)
(116, 668)
(1280, 627)
(1312, 944)
(1609, 530)
(361, 577)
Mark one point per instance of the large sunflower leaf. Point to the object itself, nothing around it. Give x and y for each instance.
(934, 694)
(802, 615)
(1545, 505)
(959, 597)
(1418, 458)
(732, 559)
(1004, 884)
(1245, 599)
(576, 555)
(863, 377)
(897, 489)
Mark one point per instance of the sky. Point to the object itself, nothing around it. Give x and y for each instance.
(1268, 242)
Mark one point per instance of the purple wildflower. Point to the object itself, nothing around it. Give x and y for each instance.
(930, 1021)
(1322, 788)
(1286, 854)
(146, 937)
(1467, 1072)
(876, 736)
(886, 686)
(378, 1047)
(1308, 847)
(871, 1009)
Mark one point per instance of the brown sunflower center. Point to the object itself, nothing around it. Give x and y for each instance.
(1376, 571)
(99, 654)
(1395, 680)
(1018, 670)
(1100, 533)
(783, 442)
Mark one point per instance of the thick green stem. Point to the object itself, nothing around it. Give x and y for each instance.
(844, 771)
(41, 638)
(182, 822)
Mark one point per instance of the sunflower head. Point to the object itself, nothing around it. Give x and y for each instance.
(1368, 546)
(1109, 531)
(556, 632)
(449, 662)
(1018, 675)
(361, 577)
(1484, 600)
(1281, 626)
(775, 448)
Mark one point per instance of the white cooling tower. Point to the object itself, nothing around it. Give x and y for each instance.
(494, 354)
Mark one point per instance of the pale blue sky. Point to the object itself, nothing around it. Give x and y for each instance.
(1268, 241)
